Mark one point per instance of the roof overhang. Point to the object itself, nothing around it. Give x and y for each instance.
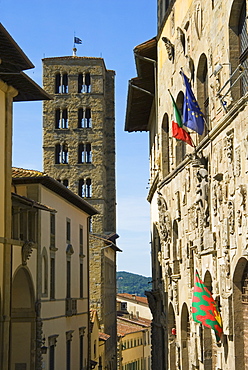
(12, 58)
(12, 63)
(141, 90)
(28, 90)
(58, 188)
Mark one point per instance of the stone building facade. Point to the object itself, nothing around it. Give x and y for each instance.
(79, 151)
(198, 196)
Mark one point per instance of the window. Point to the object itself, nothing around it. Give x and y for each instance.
(84, 83)
(64, 83)
(61, 83)
(90, 225)
(80, 118)
(52, 357)
(85, 188)
(180, 145)
(88, 188)
(65, 183)
(52, 230)
(68, 354)
(44, 273)
(81, 351)
(61, 154)
(81, 240)
(84, 153)
(165, 145)
(81, 188)
(68, 279)
(68, 231)
(64, 154)
(88, 122)
(81, 281)
(52, 278)
(243, 47)
(202, 88)
(61, 118)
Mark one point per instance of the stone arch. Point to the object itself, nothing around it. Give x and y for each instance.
(180, 145)
(208, 281)
(185, 336)
(165, 145)
(240, 341)
(172, 337)
(202, 88)
(235, 52)
(23, 319)
(156, 247)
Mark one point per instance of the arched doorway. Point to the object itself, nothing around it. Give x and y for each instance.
(240, 313)
(172, 338)
(185, 336)
(22, 321)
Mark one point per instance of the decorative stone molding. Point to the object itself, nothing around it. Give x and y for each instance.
(69, 250)
(69, 335)
(27, 250)
(198, 19)
(52, 340)
(170, 48)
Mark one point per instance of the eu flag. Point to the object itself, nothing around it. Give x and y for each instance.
(192, 114)
(77, 40)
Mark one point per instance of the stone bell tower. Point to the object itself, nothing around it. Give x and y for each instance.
(79, 151)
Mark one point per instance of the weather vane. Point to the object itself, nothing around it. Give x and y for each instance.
(77, 40)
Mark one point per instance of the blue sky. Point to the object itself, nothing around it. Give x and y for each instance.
(108, 29)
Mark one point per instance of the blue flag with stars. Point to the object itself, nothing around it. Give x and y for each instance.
(192, 114)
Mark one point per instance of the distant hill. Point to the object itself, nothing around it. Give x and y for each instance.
(132, 283)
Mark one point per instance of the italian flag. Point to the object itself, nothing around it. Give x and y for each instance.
(177, 126)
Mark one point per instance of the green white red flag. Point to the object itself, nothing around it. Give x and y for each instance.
(204, 308)
(177, 126)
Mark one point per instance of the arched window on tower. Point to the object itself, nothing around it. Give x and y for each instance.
(84, 83)
(88, 154)
(57, 83)
(80, 82)
(61, 83)
(61, 118)
(87, 83)
(81, 154)
(57, 154)
(88, 189)
(80, 118)
(88, 122)
(64, 154)
(64, 83)
(81, 188)
(57, 118)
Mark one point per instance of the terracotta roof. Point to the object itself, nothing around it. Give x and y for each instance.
(103, 336)
(72, 57)
(133, 297)
(23, 176)
(21, 172)
(127, 326)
